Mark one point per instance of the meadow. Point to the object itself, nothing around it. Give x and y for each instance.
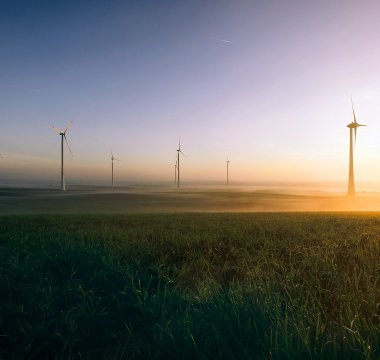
(190, 285)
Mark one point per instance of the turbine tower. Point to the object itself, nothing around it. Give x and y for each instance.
(63, 137)
(352, 126)
(178, 152)
(175, 172)
(228, 163)
(112, 160)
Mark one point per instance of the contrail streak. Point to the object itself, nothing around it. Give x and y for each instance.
(225, 41)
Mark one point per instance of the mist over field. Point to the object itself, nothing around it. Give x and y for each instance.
(153, 199)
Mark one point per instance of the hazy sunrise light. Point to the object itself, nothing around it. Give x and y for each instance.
(266, 83)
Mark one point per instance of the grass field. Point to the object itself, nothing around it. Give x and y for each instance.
(233, 286)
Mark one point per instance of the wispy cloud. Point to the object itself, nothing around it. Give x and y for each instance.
(224, 41)
(220, 40)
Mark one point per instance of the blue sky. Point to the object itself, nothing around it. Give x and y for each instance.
(267, 83)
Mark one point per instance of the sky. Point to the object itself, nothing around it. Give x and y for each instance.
(266, 83)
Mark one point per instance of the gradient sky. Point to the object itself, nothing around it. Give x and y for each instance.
(267, 83)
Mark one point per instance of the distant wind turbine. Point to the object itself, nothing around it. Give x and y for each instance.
(63, 137)
(112, 160)
(178, 152)
(352, 126)
(228, 163)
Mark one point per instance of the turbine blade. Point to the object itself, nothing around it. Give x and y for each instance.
(183, 154)
(57, 130)
(355, 134)
(67, 143)
(68, 127)
(179, 144)
(353, 110)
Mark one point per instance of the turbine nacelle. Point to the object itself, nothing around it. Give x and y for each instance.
(354, 125)
(63, 134)
(180, 151)
(113, 157)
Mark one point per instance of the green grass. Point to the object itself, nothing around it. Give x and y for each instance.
(233, 286)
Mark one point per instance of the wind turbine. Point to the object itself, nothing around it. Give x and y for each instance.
(352, 126)
(228, 163)
(112, 160)
(63, 137)
(178, 152)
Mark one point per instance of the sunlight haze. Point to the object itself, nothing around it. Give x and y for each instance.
(266, 83)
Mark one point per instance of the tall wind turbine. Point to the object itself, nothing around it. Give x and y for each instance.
(352, 126)
(178, 152)
(112, 160)
(63, 137)
(228, 163)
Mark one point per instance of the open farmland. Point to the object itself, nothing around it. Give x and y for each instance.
(227, 285)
